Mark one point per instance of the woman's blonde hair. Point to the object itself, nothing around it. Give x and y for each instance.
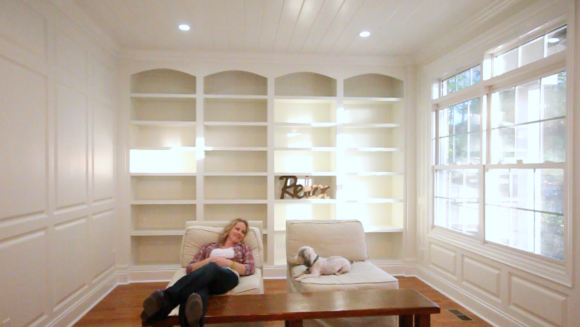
(224, 234)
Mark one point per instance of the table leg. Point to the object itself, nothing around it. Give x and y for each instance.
(422, 320)
(405, 321)
(293, 323)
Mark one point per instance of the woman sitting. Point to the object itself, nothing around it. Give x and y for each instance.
(215, 269)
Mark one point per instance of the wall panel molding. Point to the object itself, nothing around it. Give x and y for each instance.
(536, 302)
(484, 277)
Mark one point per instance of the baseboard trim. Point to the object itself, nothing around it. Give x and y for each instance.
(81, 307)
(274, 272)
(150, 275)
(484, 311)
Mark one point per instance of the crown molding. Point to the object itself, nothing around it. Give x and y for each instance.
(87, 24)
(272, 58)
(485, 24)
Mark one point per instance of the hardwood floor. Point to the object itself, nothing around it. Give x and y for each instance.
(122, 307)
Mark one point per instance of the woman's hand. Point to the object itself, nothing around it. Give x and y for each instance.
(221, 261)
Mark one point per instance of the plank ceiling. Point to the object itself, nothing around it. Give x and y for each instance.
(325, 27)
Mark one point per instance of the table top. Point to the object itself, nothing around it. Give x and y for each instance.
(296, 306)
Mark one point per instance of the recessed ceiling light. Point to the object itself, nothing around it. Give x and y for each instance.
(365, 34)
(553, 40)
(184, 27)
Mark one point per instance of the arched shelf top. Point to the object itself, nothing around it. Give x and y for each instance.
(163, 81)
(235, 82)
(373, 86)
(305, 84)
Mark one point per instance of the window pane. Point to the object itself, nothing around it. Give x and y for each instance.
(522, 229)
(503, 108)
(554, 140)
(444, 152)
(451, 85)
(442, 183)
(551, 236)
(556, 41)
(497, 187)
(474, 148)
(522, 189)
(459, 119)
(503, 145)
(441, 212)
(474, 114)
(528, 143)
(550, 190)
(463, 79)
(459, 150)
(471, 189)
(496, 224)
(528, 102)
(554, 89)
(532, 51)
(476, 74)
(455, 183)
(444, 122)
(505, 62)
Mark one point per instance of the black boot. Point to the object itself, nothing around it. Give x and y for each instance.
(155, 307)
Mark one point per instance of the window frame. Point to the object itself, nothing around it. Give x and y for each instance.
(552, 269)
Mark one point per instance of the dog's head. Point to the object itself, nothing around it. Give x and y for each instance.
(305, 256)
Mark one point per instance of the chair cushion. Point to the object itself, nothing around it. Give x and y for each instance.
(253, 284)
(362, 276)
(345, 238)
(197, 236)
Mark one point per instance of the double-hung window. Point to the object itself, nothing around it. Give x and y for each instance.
(499, 159)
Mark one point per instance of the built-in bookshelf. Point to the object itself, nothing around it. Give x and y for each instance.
(224, 151)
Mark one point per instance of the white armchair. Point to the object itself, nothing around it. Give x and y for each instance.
(198, 233)
(345, 238)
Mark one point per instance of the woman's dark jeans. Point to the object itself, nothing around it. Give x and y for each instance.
(210, 279)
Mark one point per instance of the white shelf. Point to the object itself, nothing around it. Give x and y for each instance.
(176, 232)
(373, 149)
(369, 100)
(227, 123)
(308, 201)
(374, 173)
(147, 202)
(166, 148)
(163, 174)
(364, 125)
(306, 99)
(312, 174)
(162, 123)
(231, 148)
(162, 95)
(316, 148)
(228, 96)
(305, 125)
(236, 174)
(227, 201)
(373, 200)
(250, 140)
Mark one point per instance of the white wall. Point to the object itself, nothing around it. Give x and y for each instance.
(57, 161)
(494, 286)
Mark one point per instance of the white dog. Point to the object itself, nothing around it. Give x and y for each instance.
(317, 265)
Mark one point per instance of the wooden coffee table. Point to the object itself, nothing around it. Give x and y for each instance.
(408, 304)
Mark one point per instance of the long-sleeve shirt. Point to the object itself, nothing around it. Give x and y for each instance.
(242, 255)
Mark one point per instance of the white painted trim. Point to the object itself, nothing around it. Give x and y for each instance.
(77, 310)
(244, 57)
(491, 315)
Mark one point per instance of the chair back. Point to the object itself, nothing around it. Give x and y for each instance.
(199, 233)
(345, 238)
